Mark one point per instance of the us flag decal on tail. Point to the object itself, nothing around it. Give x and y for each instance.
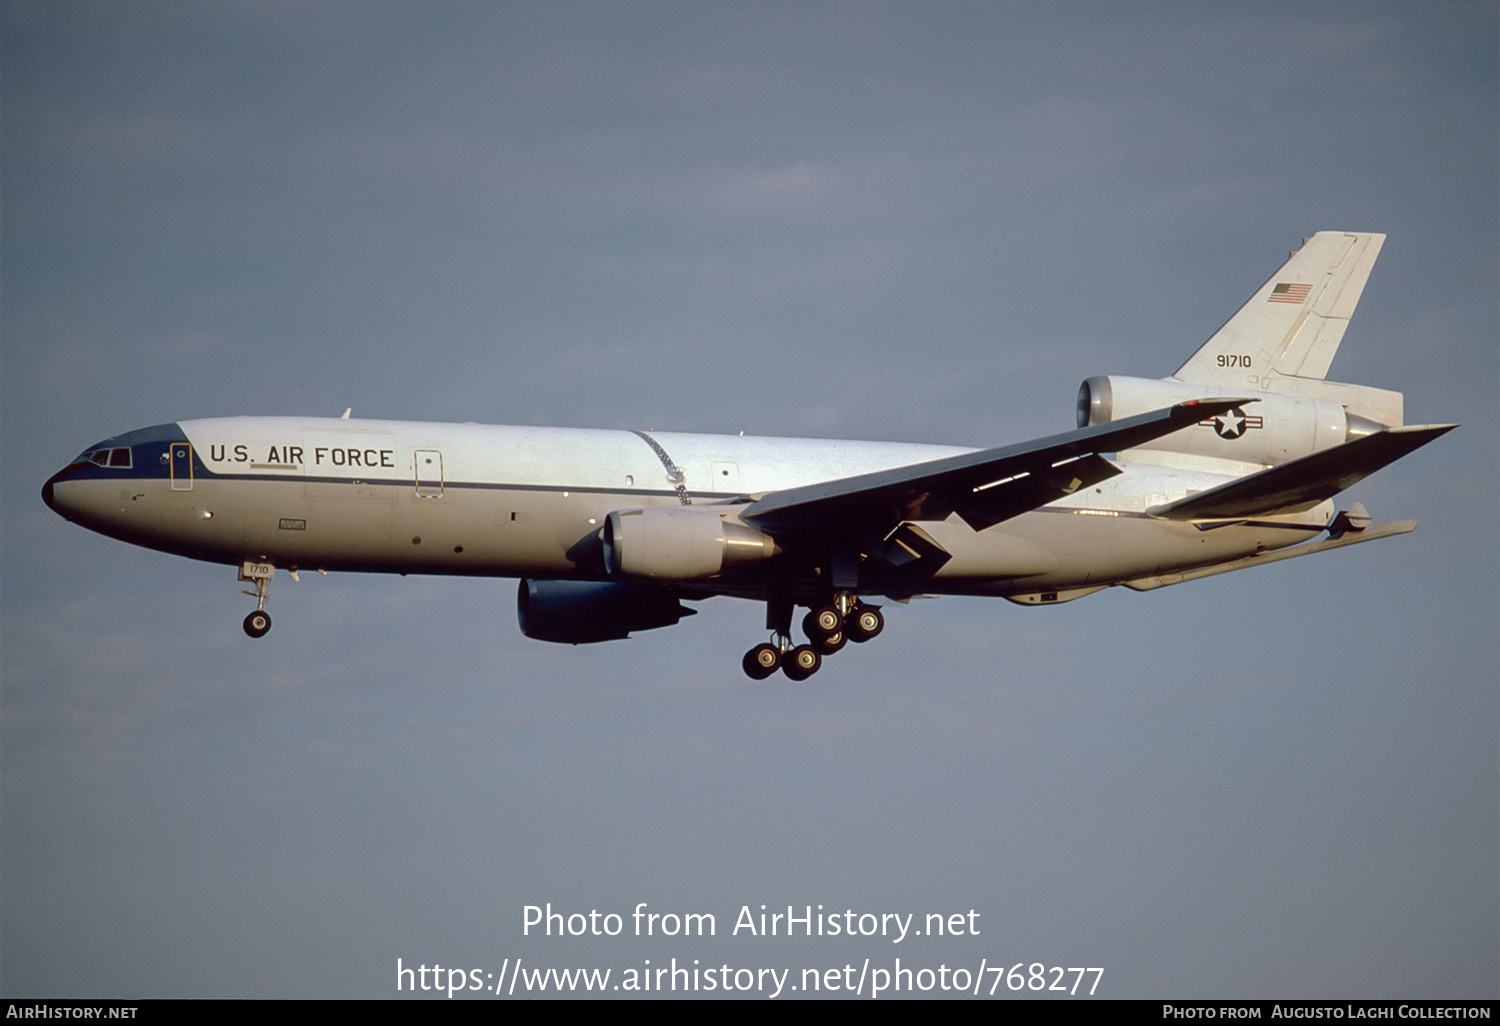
(1286, 292)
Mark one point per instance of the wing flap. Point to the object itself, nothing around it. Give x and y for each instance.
(992, 504)
(905, 561)
(1302, 483)
(985, 487)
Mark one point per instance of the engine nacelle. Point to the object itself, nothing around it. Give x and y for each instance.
(581, 612)
(1274, 429)
(675, 543)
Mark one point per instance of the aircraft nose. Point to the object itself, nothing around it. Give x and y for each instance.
(49, 495)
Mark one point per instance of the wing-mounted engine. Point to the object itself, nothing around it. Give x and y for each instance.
(582, 612)
(670, 543)
(1268, 431)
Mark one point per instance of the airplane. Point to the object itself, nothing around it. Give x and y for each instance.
(1231, 462)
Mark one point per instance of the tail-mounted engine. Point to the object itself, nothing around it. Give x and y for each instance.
(1273, 429)
(670, 543)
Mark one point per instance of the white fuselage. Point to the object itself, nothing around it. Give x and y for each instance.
(471, 499)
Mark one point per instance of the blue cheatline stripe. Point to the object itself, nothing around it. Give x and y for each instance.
(89, 470)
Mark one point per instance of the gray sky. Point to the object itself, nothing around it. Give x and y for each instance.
(923, 222)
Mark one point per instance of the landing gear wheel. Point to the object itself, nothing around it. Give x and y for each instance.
(865, 623)
(760, 662)
(830, 644)
(801, 662)
(822, 622)
(257, 623)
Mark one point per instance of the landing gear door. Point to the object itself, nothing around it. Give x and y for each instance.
(180, 459)
(429, 463)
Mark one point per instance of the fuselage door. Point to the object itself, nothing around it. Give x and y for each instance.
(429, 473)
(180, 458)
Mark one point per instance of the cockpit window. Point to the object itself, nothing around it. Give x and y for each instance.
(119, 457)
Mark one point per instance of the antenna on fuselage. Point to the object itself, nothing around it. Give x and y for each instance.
(345, 415)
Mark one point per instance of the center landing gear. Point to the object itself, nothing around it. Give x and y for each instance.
(846, 620)
(259, 574)
(825, 631)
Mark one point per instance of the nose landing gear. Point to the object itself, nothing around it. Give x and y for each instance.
(260, 574)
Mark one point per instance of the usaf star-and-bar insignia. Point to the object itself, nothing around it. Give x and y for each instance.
(1233, 424)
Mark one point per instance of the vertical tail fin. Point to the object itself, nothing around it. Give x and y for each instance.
(1284, 339)
(1294, 322)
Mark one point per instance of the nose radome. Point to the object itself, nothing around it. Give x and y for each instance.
(49, 495)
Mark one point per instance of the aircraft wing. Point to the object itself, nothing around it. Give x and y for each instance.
(1302, 483)
(983, 487)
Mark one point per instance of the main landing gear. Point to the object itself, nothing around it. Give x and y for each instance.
(798, 662)
(828, 628)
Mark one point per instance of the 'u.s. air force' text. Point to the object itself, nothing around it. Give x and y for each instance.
(896, 926)
(296, 455)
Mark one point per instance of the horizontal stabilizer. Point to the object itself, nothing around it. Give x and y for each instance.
(1302, 483)
(1385, 530)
